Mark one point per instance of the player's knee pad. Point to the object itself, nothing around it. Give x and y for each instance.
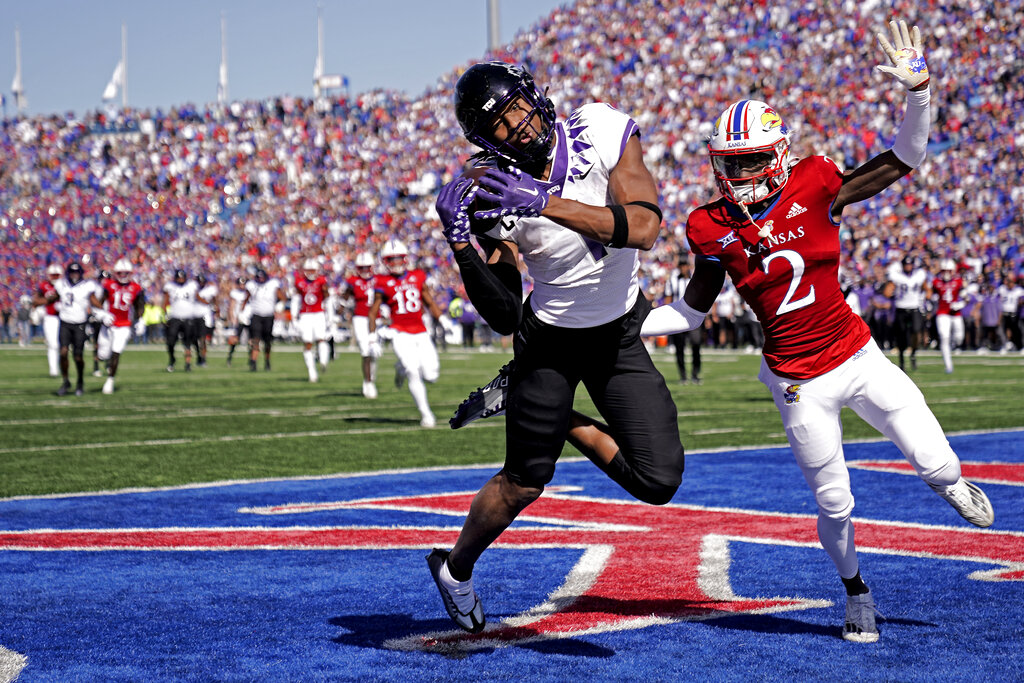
(533, 476)
(655, 493)
(429, 375)
(834, 502)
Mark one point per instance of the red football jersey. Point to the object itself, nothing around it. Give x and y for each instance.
(46, 288)
(404, 296)
(362, 290)
(120, 300)
(791, 278)
(312, 293)
(949, 293)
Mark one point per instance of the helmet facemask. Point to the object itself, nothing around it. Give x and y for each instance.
(751, 175)
(749, 150)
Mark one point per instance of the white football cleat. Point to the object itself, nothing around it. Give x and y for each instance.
(428, 421)
(460, 600)
(108, 386)
(860, 624)
(969, 500)
(369, 390)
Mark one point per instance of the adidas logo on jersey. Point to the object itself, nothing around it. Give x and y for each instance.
(795, 210)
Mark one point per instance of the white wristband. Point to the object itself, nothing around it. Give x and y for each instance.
(676, 317)
(911, 141)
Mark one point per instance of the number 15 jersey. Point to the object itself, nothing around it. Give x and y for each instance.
(791, 278)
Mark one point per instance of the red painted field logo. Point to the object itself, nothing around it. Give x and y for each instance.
(651, 565)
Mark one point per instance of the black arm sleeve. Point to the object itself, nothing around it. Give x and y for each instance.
(496, 290)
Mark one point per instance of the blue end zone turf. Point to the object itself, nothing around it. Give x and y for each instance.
(203, 584)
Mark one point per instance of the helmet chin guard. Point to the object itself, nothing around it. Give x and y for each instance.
(749, 151)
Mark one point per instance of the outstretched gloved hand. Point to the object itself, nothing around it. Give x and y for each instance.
(452, 207)
(906, 53)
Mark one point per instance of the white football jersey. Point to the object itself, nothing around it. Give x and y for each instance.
(578, 282)
(74, 299)
(909, 288)
(263, 296)
(181, 299)
(205, 311)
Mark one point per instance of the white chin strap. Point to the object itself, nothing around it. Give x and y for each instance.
(748, 193)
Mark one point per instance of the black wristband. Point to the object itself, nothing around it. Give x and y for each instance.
(620, 230)
(649, 207)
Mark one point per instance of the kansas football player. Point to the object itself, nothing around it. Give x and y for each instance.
(775, 231)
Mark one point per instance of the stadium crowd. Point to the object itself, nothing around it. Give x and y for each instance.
(222, 190)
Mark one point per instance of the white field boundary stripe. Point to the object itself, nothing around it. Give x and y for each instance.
(416, 470)
(227, 439)
(150, 414)
(11, 664)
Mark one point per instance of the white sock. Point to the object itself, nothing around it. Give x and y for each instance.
(324, 351)
(461, 591)
(419, 393)
(307, 355)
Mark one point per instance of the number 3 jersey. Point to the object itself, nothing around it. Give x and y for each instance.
(403, 295)
(791, 278)
(578, 282)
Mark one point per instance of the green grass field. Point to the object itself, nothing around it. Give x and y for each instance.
(221, 422)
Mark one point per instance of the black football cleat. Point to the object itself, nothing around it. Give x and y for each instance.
(460, 600)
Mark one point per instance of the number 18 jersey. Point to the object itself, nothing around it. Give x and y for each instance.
(791, 278)
(404, 296)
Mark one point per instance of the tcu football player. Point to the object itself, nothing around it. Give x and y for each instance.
(75, 295)
(908, 298)
(181, 295)
(406, 294)
(118, 301)
(263, 294)
(775, 231)
(311, 291)
(360, 291)
(51, 321)
(575, 201)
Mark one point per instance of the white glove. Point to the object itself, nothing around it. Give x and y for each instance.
(140, 328)
(906, 52)
(106, 318)
(375, 349)
(446, 323)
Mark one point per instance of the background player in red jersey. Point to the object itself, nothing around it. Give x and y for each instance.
(948, 290)
(406, 293)
(46, 296)
(120, 301)
(775, 231)
(311, 288)
(360, 290)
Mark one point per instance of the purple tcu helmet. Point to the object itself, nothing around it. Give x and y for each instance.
(484, 91)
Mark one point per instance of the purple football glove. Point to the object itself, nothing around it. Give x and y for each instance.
(514, 194)
(452, 204)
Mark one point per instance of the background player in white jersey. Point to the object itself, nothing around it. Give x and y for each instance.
(776, 232)
(360, 292)
(119, 302)
(74, 293)
(405, 292)
(205, 312)
(263, 293)
(51, 319)
(908, 300)
(181, 293)
(948, 290)
(576, 202)
(1011, 294)
(311, 292)
(238, 317)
